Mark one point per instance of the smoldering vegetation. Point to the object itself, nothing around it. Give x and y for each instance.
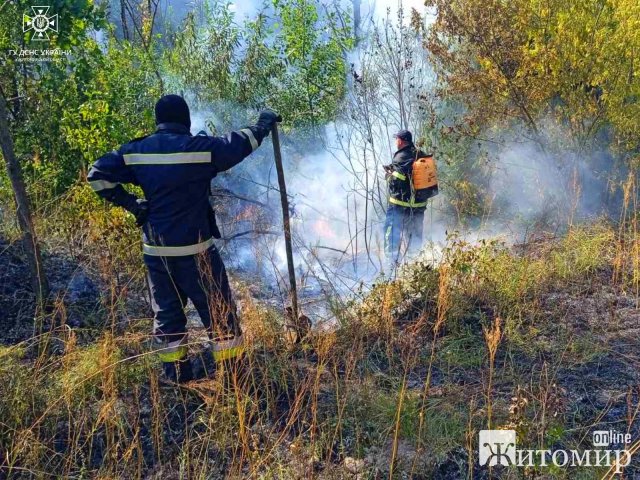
(508, 185)
(520, 313)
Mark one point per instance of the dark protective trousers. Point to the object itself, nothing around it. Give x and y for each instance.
(402, 222)
(201, 278)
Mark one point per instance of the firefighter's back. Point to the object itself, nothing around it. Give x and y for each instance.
(175, 172)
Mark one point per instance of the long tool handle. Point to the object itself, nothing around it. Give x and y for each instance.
(286, 223)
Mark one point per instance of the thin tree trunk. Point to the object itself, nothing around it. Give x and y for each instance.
(123, 20)
(38, 278)
(356, 21)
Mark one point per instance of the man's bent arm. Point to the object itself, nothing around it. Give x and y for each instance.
(106, 177)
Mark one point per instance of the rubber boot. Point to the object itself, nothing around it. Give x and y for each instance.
(178, 372)
(203, 365)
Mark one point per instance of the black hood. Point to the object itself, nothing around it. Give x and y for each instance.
(173, 109)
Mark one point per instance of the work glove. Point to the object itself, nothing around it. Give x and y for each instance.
(267, 120)
(141, 211)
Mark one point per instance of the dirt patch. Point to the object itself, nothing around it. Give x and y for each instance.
(69, 281)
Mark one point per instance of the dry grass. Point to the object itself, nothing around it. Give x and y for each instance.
(402, 384)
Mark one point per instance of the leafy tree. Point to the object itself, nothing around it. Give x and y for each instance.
(62, 113)
(20, 104)
(37, 93)
(112, 107)
(291, 58)
(523, 60)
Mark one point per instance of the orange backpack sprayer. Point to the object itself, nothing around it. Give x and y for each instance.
(425, 178)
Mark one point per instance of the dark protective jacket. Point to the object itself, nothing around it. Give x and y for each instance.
(174, 170)
(400, 182)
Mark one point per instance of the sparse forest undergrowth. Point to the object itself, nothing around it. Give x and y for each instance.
(541, 337)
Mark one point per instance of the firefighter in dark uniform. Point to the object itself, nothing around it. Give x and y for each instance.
(405, 212)
(174, 170)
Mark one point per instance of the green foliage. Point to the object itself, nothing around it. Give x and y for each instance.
(202, 59)
(76, 107)
(113, 107)
(290, 58)
(524, 60)
(39, 92)
(491, 271)
(76, 17)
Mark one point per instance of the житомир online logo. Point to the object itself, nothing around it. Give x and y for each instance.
(499, 447)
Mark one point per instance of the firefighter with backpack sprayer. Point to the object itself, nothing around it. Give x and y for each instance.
(412, 180)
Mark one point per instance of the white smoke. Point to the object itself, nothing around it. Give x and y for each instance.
(337, 188)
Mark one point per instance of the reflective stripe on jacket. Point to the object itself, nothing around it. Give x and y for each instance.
(400, 182)
(174, 170)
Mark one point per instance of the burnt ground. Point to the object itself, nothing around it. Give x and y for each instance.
(584, 358)
(578, 371)
(16, 296)
(602, 377)
(70, 283)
